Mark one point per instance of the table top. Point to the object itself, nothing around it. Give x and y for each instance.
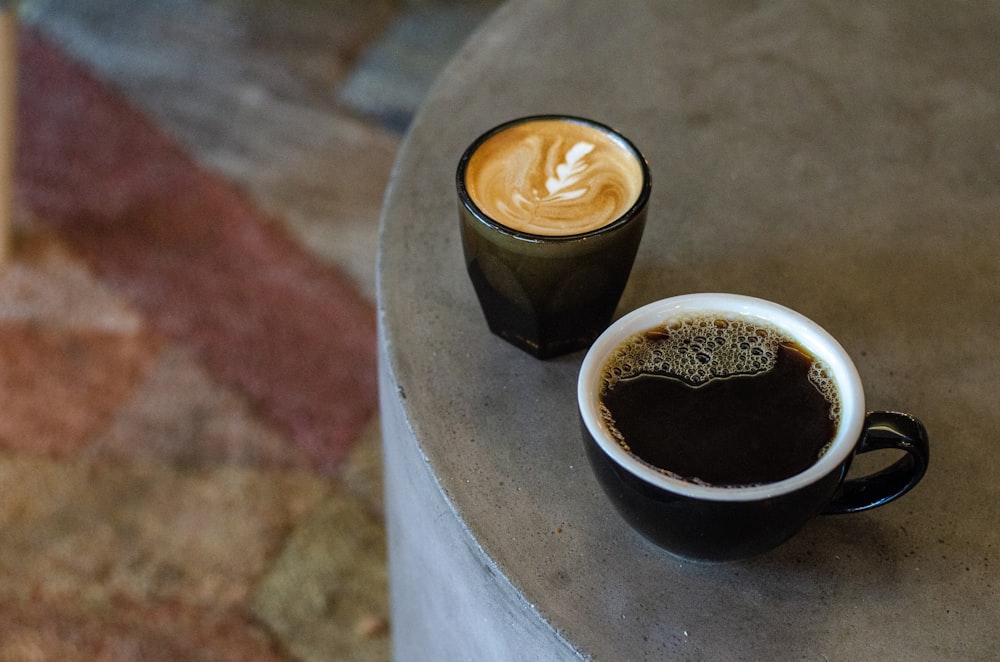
(841, 161)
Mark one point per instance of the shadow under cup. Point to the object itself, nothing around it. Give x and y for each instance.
(718, 523)
(549, 294)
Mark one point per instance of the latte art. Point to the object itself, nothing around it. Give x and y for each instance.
(554, 177)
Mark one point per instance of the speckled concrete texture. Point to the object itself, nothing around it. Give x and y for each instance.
(190, 456)
(838, 158)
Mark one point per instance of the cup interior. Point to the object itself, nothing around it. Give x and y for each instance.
(806, 332)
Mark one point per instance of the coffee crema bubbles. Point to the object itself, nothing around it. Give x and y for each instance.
(719, 400)
(554, 177)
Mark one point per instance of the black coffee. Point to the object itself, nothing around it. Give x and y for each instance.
(720, 401)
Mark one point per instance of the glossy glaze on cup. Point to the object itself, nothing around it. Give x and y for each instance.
(709, 523)
(549, 294)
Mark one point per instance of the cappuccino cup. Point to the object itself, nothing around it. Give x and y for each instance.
(551, 209)
(719, 424)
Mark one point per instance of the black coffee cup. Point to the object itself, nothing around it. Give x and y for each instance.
(550, 286)
(706, 521)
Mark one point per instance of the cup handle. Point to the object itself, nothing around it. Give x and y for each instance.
(884, 430)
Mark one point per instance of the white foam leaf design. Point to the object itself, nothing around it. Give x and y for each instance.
(569, 173)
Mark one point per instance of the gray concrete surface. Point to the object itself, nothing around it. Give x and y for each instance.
(839, 159)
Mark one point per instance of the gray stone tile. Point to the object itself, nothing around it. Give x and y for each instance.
(393, 76)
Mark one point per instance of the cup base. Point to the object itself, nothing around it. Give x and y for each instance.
(543, 331)
(710, 532)
(546, 350)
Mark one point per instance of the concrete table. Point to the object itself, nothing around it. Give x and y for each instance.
(840, 159)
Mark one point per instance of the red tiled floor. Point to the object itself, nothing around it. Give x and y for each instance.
(60, 386)
(196, 256)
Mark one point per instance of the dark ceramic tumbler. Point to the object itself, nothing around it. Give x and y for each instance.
(551, 294)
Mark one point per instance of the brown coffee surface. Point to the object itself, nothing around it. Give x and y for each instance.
(720, 402)
(554, 177)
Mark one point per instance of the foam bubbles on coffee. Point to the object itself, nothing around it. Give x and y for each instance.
(698, 348)
(554, 177)
(717, 354)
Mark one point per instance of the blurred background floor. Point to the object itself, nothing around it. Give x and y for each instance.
(189, 441)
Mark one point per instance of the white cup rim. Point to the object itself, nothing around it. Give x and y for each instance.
(808, 333)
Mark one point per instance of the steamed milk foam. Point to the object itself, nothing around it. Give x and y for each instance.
(554, 177)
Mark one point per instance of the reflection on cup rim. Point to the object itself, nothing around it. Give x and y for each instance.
(805, 331)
